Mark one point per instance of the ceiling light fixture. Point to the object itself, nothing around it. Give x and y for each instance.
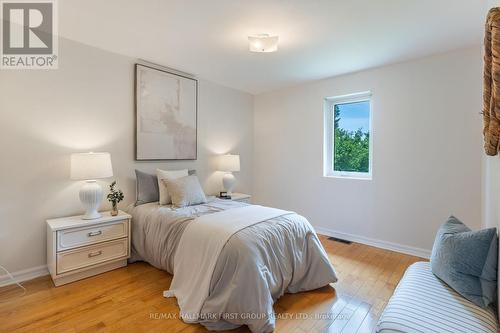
(263, 43)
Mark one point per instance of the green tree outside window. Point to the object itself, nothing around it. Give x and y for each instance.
(351, 148)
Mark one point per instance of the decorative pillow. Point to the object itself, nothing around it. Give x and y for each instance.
(146, 188)
(168, 174)
(467, 261)
(185, 191)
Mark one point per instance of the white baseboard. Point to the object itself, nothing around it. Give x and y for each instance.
(24, 275)
(414, 251)
(31, 273)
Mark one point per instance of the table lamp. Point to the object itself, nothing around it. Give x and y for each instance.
(90, 167)
(229, 164)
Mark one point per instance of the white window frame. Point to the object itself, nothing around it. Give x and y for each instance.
(329, 137)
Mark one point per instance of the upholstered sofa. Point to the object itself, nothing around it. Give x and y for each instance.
(423, 303)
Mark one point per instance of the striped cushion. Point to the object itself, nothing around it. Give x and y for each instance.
(423, 303)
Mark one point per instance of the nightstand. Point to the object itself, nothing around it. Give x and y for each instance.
(78, 248)
(241, 197)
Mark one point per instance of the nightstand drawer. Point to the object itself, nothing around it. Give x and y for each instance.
(91, 255)
(71, 238)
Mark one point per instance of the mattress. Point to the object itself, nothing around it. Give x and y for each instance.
(423, 303)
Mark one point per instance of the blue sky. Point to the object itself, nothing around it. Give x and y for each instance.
(355, 115)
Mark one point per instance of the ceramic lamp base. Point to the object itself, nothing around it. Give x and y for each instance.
(91, 197)
(229, 181)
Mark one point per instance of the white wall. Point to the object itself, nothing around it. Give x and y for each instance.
(426, 161)
(426, 110)
(491, 180)
(87, 104)
(491, 176)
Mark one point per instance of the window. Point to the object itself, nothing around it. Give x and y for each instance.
(348, 139)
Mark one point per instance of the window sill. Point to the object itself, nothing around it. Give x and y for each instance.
(353, 177)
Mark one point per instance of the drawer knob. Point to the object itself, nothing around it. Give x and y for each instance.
(94, 233)
(95, 254)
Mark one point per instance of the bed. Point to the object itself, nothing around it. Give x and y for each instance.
(256, 266)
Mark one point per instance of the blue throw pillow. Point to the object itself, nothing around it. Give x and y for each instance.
(467, 261)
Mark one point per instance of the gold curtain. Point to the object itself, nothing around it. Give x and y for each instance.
(491, 94)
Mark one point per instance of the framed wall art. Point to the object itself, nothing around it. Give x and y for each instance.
(166, 114)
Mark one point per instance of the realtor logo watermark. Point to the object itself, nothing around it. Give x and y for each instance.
(29, 34)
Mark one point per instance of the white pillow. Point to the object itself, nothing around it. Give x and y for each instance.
(168, 174)
(185, 191)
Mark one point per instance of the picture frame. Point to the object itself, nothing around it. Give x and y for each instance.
(166, 114)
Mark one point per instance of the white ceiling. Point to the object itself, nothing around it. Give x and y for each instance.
(318, 38)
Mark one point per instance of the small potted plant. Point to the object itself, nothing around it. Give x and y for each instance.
(114, 196)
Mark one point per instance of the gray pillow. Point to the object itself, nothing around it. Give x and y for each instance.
(147, 187)
(467, 261)
(185, 191)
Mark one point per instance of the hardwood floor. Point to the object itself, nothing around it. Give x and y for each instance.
(130, 299)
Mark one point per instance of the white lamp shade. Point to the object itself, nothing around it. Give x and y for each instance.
(229, 163)
(263, 43)
(91, 166)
